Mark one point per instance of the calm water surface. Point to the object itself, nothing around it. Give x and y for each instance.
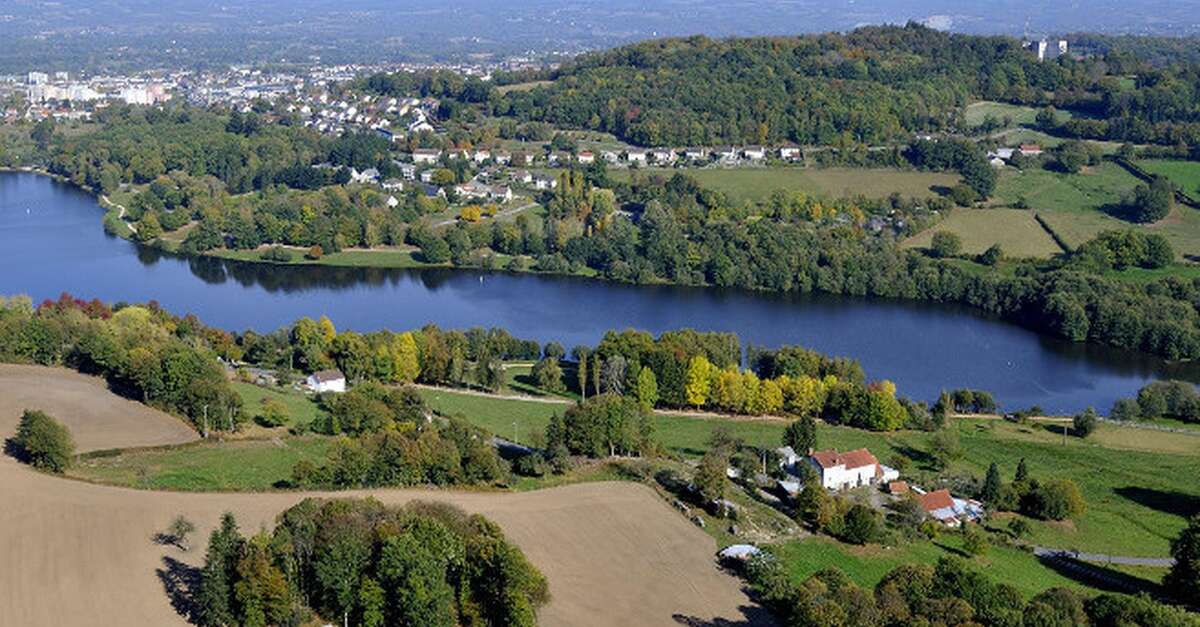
(51, 241)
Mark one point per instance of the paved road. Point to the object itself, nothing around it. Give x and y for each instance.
(1100, 558)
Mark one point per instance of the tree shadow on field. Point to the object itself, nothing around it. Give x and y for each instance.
(1169, 501)
(1098, 576)
(182, 584)
(751, 616)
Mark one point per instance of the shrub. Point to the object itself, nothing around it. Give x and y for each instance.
(314, 253)
(272, 414)
(43, 443)
(860, 525)
(531, 465)
(1084, 423)
(279, 254)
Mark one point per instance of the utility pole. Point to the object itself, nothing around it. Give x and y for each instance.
(514, 432)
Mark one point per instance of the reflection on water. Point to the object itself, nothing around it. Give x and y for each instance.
(51, 241)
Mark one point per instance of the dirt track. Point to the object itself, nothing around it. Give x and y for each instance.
(72, 553)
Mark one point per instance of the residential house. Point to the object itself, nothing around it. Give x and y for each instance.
(408, 171)
(949, 510)
(393, 185)
(423, 155)
(432, 191)
(663, 155)
(726, 153)
(392, 202)
(755, 153)
(502, 157)
(545, 182)
(635, 156)
(472, 189)
(326, 381)
(788, 458)
(427, 176)
(610, 156)
(522, 176)
(370, 175)
(1030, 150)
(790, 153)
(695, 154)
(586, 157)
(482, 155)
(842, 471)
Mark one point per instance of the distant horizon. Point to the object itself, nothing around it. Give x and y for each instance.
(143, 34)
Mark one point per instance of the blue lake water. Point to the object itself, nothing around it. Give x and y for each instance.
(51, 241)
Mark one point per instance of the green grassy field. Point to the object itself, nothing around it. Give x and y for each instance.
(756, 184)
(301, 408)
(868, 565)
(1184, 174)
(205, 466)
(976, 112)
(1015, 230)
(379, 258)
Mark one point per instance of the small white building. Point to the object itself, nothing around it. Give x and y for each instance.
(326, 381)
(422, 155)
(586, 157)
(755, 153)
(842, 471)
(611, 156)
(695, 154)
(790, 153)
(635, 156)
(663, 155)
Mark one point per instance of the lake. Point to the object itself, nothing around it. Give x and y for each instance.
(52, 241)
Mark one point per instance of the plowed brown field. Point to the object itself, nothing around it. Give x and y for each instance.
(73, 553)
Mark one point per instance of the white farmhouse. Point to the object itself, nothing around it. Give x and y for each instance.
(842, 471)
(326, 381)
(421, 155)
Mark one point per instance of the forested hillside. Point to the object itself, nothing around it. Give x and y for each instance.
(876, 84)
(872, 85)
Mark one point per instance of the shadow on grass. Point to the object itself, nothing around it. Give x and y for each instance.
(15, 451)
(1099, 576)
(1169, 501)
(181, 582)
(920, 458)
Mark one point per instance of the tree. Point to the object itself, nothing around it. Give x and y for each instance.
(710, 476)
(1022, 471)
(215, 601)
(944, 448)
(548, 375)
(699, 379)
(1084, 423)
(945, 244)
(612, 375)
(860, 524)
(406, 365)
(417, 578)
(974, 541)
(991, 256)
(801, 435)
(1183, 580)
(43, 442)
(178, 532)
(647, 388)
(1151, 203)
(1125, 409)
(991, 485)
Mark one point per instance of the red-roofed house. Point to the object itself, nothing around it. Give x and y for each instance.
(943, 507)
(842, 471)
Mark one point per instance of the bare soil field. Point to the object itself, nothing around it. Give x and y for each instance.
(73, 553)
(97, 418)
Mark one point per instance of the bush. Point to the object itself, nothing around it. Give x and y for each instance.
(273, 414)
(314, 253)
(1084, 423)
(531, 465)
(43, 443)
(279, 254)
(1054, 500)
(963, 195)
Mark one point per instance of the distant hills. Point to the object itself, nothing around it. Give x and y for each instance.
(121, 34)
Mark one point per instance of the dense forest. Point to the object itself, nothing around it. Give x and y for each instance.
(357, 561)
(872, 85)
